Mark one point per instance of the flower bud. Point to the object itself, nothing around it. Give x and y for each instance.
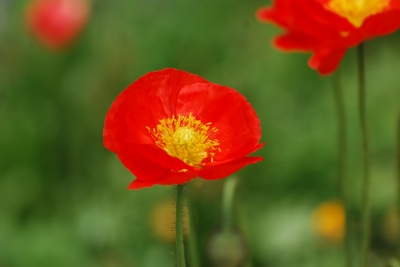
(56, 23)
(227, 248)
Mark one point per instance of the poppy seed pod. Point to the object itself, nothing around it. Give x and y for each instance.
(227, 248)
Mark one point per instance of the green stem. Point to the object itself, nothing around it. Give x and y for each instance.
(193, 241)
(180, 247)
(227, 202)
(342, 158)
(398, 177)
(342, 138)
(366, 165)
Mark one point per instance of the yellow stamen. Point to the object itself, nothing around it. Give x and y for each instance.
(186, 138)
(356, 11)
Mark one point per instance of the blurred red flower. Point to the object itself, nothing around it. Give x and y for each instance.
(170, 126)
(56, 23)
(327, 28)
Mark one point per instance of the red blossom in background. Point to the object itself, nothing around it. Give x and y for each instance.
(56, 23)
(327, 28)
(170, 126)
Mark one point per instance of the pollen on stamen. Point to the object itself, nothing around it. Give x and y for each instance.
(212, 156)
(357, 11)
(186, 138)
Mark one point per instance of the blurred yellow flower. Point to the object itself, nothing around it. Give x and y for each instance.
(329, 220)
(162, 220)
(390, 227)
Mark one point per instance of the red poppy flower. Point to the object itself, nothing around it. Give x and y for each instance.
(327, 28)
(170, 126)
(56, 22)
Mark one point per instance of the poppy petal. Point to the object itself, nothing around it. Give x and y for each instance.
(127, 124)
(326, 61)
(239, 129)
(295, 42)
(221, 171)
(148, 156)
(170, 178)
(382, 24)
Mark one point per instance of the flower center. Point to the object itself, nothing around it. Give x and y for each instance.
(186, 138)
(356, 11)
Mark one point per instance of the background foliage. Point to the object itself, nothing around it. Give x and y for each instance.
(63, 197)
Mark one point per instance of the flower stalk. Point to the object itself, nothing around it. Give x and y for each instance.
(227, 203)
(342, 157)
(341, 135)
(180, 246)
(227, 245)
(398, 177)
(193, 240)
(366, 211)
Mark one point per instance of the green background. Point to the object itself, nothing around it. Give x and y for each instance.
(63, 197)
